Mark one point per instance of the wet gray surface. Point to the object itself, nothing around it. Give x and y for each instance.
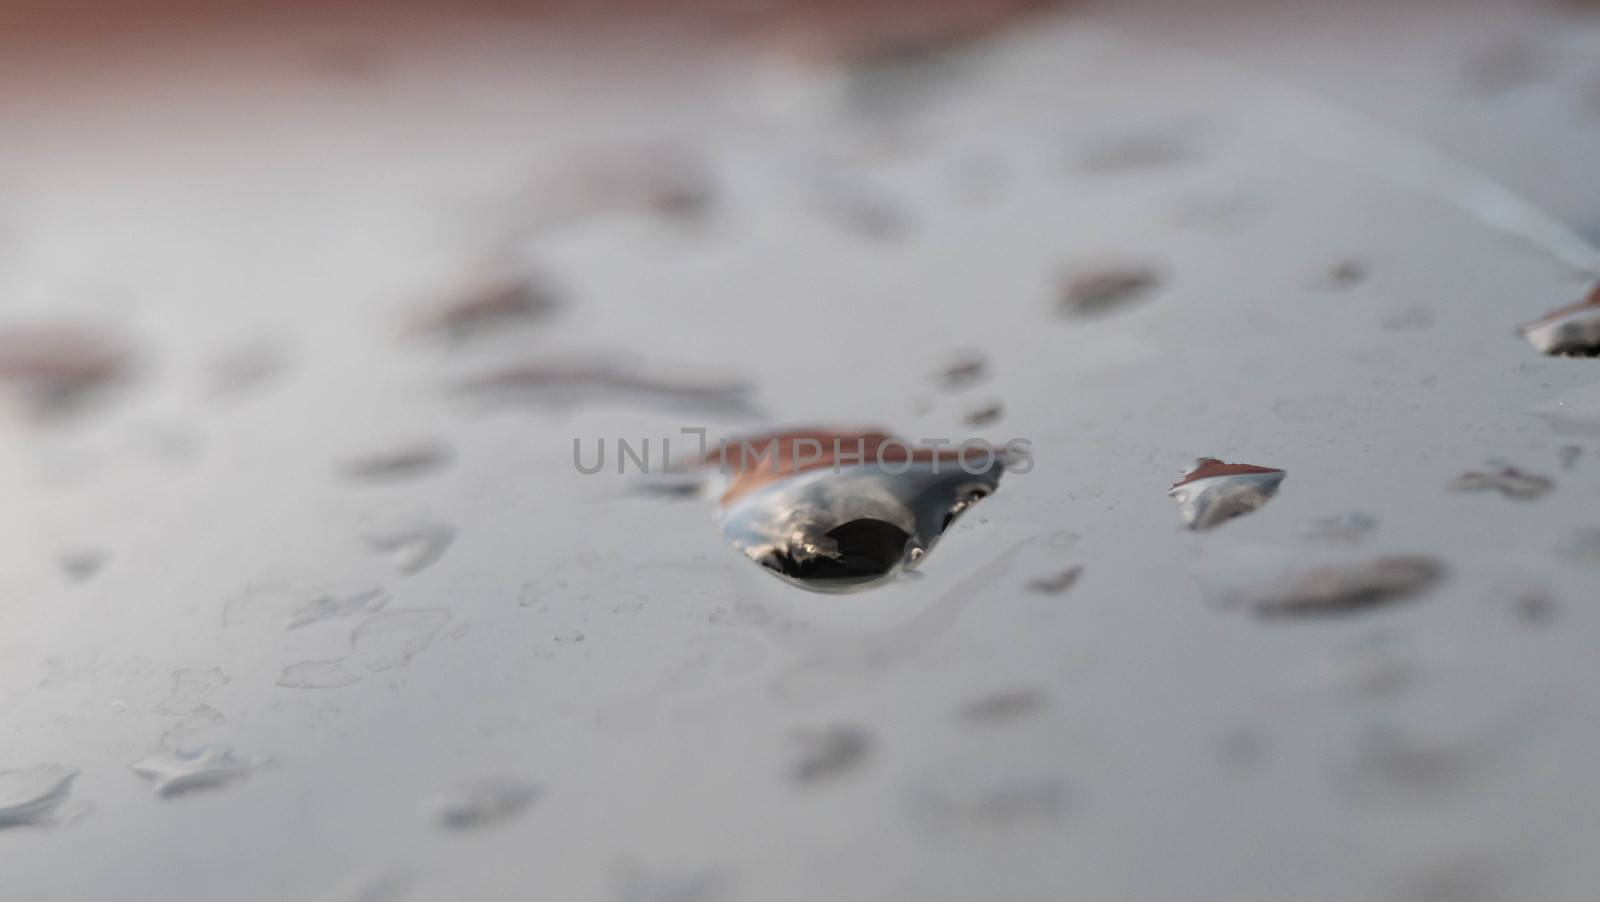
(1066, 701)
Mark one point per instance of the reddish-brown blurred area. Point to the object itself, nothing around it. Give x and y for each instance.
(827, 28)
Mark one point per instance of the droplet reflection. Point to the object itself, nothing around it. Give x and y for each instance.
(831, 524)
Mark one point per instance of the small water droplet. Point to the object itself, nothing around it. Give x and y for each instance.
(1535, 606)
(82, 564)
(987, 415)
(1213, 492)
(830, 752)
(596, 380)
(328, 674)
(414, 548)
(829, 526)
(1058, 583)
(407, 461)
(1135, 152)
(1097, 291)
(1346, 274)
(327, 607)
(963, 372)
(190, 686)
(1344, 587)
(1573, 330)
(177, 771)
(57, 367)
(1508, 481)
(33, 795)
(391, 639)
(493, 300)
(484, 802)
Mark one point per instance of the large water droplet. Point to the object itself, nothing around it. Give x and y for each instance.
(829, 524)
(1213, 492)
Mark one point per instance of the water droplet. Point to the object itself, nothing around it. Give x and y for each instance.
(393, 638)
(987, 415)
(82, 564)
(1535, 606)
(492, 301)
(404, 462)
(1003, 706)
(1346, 274)
(414, 548)
(1571, 330)
(329, 674)
(1508, 481)
(966, 371)
(327, 607)
(1343, 587)
(32, 796)
(1213, 492)
(57, 367)
(830, 752)
(595, 380)
(189, 688)
(1058, 583)
(1103, 290)
(177, 771)
(484, 802)
(836, 527)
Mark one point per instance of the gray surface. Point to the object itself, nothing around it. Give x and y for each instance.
(609, 648)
